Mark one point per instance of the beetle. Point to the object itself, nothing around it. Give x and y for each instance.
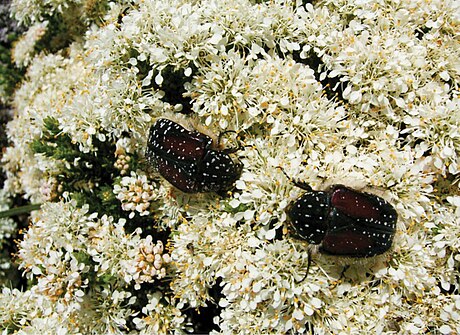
(190, 160)
(343, 221)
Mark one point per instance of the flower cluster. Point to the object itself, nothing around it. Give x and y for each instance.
(24, 48)
(130, 258)
(122, 162)
(135, 194)
(149, 263)
(66, 246)
(359, 93)
(31, 12)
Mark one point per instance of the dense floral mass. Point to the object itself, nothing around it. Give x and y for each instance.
(360, 93)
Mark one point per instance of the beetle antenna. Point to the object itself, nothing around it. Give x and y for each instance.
(224, 133)
(300, 184)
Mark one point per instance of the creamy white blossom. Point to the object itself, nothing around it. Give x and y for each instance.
(351, 92)
(135, 194)
(23, 50)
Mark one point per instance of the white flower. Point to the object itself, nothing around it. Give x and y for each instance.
(24, 48)
(135, 194)
(356, 92)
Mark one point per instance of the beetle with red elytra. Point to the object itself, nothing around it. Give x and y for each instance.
(190, 160)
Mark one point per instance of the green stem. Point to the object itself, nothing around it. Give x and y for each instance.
(19, 210)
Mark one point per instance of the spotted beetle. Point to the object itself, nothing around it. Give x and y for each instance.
(343, 221)
(190, 160)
